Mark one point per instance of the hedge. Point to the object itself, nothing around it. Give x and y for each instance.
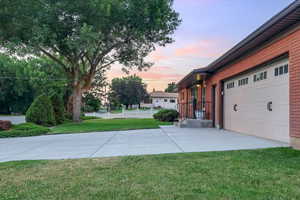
(166, 115)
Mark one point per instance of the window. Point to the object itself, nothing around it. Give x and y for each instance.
(243, 82)
(172, 101)
(284, 69)
(166, 100)
(280, 70)
(276, 71)
(265, 75)
(230, 85)
(260, 76)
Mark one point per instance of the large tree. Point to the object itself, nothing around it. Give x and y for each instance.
(85, 36)
(128, 90)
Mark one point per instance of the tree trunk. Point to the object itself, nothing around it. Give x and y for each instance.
(77, 100)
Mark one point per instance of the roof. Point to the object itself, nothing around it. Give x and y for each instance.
(277, 24)
(163, 95)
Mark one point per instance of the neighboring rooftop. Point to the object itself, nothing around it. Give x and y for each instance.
(160, 94)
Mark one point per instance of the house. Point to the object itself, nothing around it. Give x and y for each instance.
(164, 100)
(254, 88)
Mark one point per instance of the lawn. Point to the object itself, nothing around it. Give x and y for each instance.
(23, 130)
(107, 125)
(258, 174)
(90, 124)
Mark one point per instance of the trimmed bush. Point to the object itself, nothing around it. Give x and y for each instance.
(58, 108)
(23, 130)
(166, 115)
(41, 112)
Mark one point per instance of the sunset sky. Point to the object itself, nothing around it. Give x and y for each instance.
(209, 29)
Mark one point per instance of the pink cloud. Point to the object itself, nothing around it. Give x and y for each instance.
(161, 68)
(157, 75)
(158, 56)
(201, 49)
(188, 50)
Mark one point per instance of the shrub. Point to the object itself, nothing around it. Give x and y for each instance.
(166, 115)
(91, 103)
(41, 112)
(88, 109)
(23, 130)
(58, 108)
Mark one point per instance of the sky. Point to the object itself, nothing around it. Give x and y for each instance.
(209, 28)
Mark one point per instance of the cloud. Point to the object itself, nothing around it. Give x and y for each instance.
(157, 56)
(158, 76)
(201, 49)
(161, 68)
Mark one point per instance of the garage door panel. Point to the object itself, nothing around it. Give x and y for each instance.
(252, 115)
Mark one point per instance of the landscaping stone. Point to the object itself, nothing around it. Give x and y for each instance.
(5, 125)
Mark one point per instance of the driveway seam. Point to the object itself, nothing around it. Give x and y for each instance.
(101, 146)
(172, 140)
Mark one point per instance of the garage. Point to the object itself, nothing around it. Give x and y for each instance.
(257, 102)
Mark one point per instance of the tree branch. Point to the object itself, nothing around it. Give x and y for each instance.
(54, 58)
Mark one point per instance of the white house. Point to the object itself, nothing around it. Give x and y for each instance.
(164, 100)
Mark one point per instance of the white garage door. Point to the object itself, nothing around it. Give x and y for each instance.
(257, 103)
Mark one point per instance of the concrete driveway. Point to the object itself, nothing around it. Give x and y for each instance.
(14, 119)
(168, 139)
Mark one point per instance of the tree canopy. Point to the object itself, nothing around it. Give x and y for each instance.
(128, 90)
(23, 80)
(83, 37)
(172, 88)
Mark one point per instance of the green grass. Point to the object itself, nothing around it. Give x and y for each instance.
(116, 111)
(89, 117)
(23, 130)
(107, 125)
(238, 175)
(90, 124)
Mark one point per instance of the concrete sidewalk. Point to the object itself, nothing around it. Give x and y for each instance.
(14, 119)
(168, 139)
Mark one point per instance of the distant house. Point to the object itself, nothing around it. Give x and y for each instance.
(164, 100)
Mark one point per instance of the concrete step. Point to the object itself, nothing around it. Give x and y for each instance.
(195, 123)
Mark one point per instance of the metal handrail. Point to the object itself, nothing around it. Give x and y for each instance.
(195, 110)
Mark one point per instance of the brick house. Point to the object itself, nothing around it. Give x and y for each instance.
(254, 88)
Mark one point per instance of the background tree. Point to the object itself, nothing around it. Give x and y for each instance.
(91, 103)
(83, 37)
(128, 90)
(96, 95)
(172, 88)
(16, 93)
(23, 80)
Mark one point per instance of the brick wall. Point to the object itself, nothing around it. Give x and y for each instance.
(294, 59)
(290, 43)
